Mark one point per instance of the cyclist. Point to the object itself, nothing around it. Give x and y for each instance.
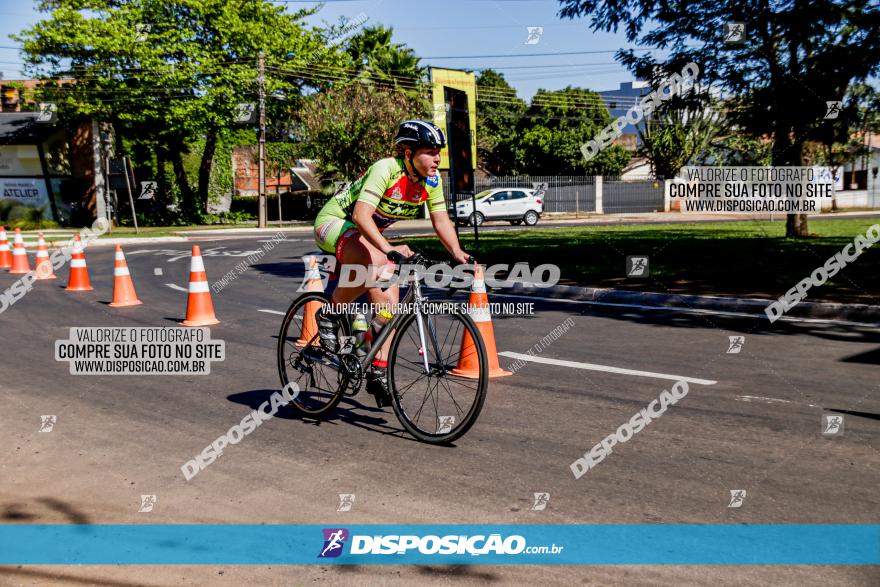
(350, 226)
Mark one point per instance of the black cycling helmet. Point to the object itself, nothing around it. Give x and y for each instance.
(420, 133)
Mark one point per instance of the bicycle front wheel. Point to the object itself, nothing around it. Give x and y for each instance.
(438, 375)
(304, 361)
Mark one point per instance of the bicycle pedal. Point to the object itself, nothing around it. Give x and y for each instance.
(381, 401)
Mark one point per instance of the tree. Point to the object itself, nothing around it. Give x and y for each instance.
(556, 125)
(842, 140)
(735, 148)
(795, 56)
(351, 126)
(499, 111)
(376, 57)
(351, 123)
(681, 130)
(168, 72)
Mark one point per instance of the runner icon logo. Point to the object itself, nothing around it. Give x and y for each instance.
(534, 36)
(637, 267)
(147, 503)
(832, 109)
(334, 541)
(734, 32)
(541, 501)
(736, 344)
(47, 423)
(346, 501)
(445, 424)
(737, 496)
(832, 425)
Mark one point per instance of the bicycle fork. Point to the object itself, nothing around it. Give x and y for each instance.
(417, 297)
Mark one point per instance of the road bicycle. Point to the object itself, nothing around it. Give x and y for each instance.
(437, 365)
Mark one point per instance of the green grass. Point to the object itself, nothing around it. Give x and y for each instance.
(742, 259)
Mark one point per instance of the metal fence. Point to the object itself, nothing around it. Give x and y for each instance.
(578, 193)
(632, 195)
(561, 193)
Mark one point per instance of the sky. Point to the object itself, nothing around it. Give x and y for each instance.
(475, 30)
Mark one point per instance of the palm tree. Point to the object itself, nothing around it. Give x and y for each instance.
(378, 58)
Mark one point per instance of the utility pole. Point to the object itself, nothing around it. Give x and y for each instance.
(261, 81)
(452, 194)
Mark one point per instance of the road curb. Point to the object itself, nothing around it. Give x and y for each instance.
(862, 313)
(133, 240)
(59, 243)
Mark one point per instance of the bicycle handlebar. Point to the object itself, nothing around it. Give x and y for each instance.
(414, 259)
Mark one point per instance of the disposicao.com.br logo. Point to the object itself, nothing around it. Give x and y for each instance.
(334, 540)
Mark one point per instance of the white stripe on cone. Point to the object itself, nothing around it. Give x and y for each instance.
(77, 262)
(197, 264)
(198, 287)
(120, 271)
(480, 313)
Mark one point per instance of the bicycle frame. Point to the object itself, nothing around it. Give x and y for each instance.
(413, 296)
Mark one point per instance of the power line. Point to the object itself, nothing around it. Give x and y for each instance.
(531, 54)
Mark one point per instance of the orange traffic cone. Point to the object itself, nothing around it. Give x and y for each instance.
(313, 283)
(478, 307)
(123, 286)
(78, 279)
(19, 256)
(5, 254)
(199, 307)
(42, 265)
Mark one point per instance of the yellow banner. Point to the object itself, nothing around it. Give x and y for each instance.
(459, 80)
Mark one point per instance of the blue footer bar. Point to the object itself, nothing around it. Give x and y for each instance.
(489, 544)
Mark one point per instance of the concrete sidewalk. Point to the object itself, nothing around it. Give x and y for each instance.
(861, 314)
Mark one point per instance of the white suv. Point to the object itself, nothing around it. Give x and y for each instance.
(516, 205)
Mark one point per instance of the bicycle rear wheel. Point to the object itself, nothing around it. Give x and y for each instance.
(438, 406)
(303, 361)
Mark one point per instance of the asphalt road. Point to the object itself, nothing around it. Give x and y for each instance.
(753, 424)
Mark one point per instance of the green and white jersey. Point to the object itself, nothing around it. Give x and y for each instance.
(386, 186)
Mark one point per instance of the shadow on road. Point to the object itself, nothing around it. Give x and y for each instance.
(36, 577)
(758, 325)
(868, 415)
(350, 411)
(18, 512)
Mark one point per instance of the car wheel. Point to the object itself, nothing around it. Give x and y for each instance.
(531, 218)
(476, 219)
(516, 222)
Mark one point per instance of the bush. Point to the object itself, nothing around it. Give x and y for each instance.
(228, 218)
(14, 214)
(157, 216)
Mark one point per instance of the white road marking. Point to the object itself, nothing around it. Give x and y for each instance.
(766, 400)
(272, 312)
(157, 271)
(606, 368)
(692, 310)
(758, 398)
(177, 287)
